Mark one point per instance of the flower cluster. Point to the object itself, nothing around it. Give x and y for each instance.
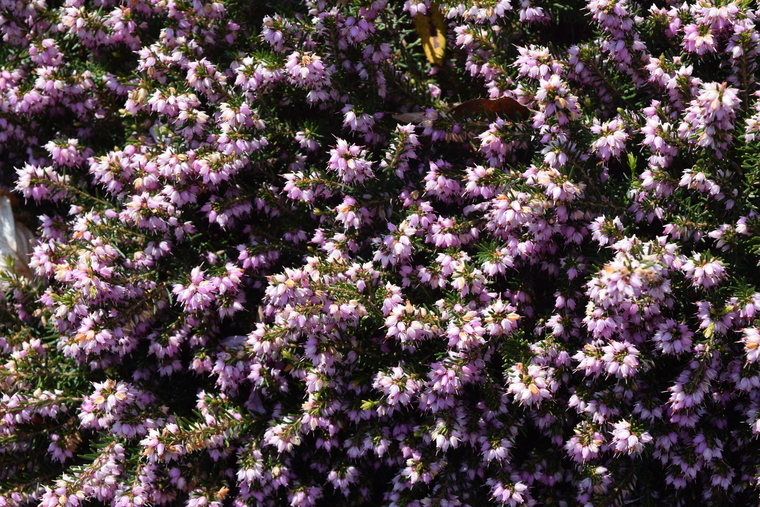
(282, 257)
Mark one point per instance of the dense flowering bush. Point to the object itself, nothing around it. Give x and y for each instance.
(274, 264)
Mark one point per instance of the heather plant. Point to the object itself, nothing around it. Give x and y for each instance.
(285, 253)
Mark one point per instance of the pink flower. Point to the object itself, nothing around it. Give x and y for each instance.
(703, 271)
(350, 162)
(611, 140)
(531, 385)
(307, 69)
(620, 358)
(698, 39)
(709, 119)
(751, 342)
(627, 440)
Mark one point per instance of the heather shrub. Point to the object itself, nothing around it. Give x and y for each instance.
(379, 253)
